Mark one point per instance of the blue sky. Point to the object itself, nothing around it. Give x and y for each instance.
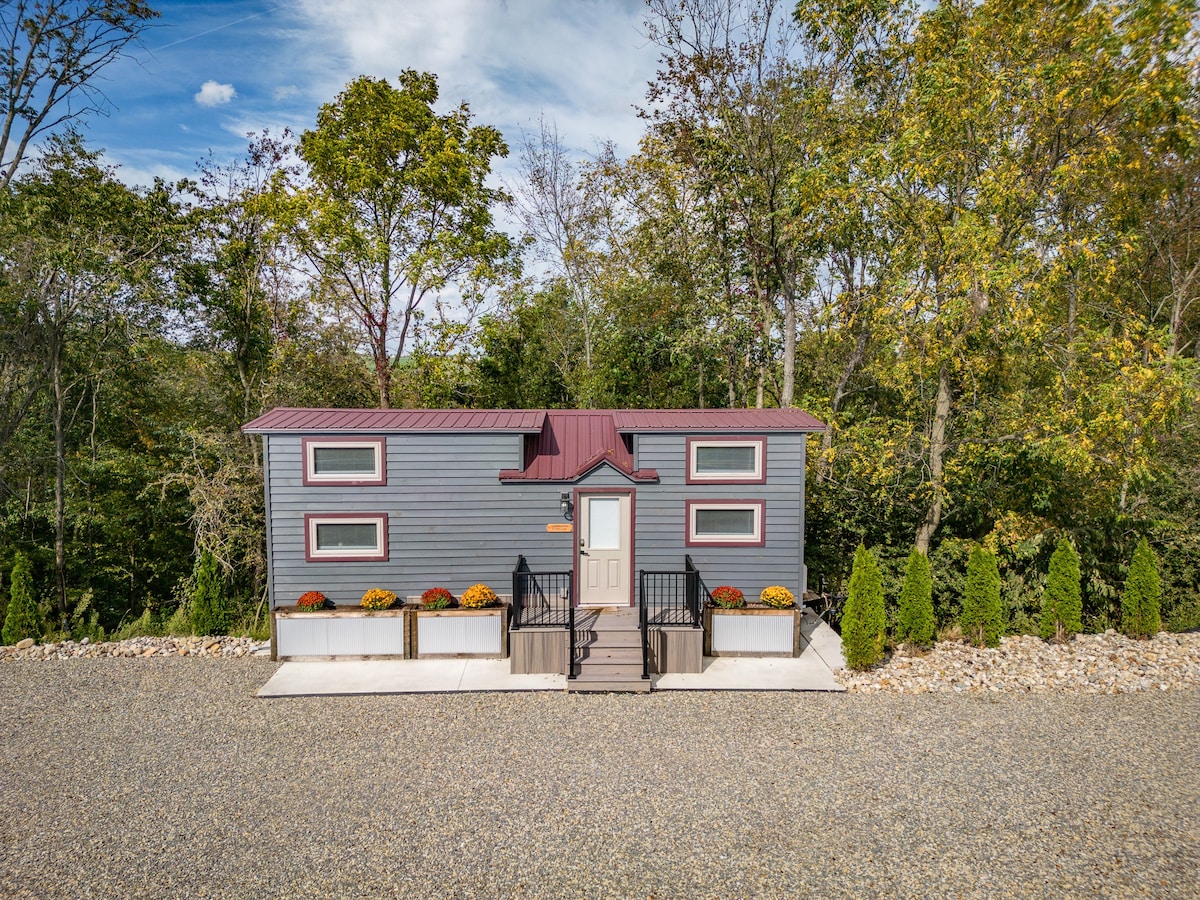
(212, 71)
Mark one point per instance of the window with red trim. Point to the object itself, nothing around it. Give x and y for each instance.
(720, 523)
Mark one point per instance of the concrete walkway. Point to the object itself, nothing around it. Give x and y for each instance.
(812, 670)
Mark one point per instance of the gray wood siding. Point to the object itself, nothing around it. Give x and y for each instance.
(662, 525)
(452, 523)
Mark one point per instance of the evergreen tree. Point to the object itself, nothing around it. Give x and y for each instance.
(1142, 597)
(210, 607)
(914, 619)
(22, 619)
(982, 613)
(863, 621)
(1062, 601)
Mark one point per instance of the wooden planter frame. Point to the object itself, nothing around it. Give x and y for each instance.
(289, 618)
(431, 617)
(712, 613)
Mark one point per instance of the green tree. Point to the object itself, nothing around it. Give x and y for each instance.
(210, 605)
(53, 51)
(982, 614)
(1143, 594)
(397, 208)
(235, 278)
(915, 623)
(563, 219)
(84, 256)
(864, 621)
(21, 620)
(1062, 601)
(734, 105)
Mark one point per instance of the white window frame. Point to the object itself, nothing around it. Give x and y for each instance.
(344, 479)
(755, 539)
(313, 553)
(758, 476)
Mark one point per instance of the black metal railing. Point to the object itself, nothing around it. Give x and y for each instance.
(644, 627)
(541, 599)
(828, 607)
(571, 642)
(669, 598)
(674, 598)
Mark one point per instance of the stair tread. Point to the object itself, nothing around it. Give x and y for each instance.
(615, 670)
(622, 654)
(615, 638)
(600, 682)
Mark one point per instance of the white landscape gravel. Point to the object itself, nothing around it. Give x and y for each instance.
(164, 776)
(1108, 663)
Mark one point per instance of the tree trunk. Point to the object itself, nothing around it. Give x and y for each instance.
(848, 370)
(788, 394)
(60, 475)
(937, 450)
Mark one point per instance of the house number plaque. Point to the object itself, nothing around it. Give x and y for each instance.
(560, 527)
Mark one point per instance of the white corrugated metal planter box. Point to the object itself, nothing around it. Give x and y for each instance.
(342, 633)
(458, 633)
(755, 630)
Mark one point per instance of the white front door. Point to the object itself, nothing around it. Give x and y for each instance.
(605, 549)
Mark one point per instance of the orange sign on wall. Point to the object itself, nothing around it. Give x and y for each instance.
(560, 527)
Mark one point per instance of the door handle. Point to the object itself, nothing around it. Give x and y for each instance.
(583, 552)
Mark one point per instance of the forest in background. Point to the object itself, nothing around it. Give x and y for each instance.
(966, 235)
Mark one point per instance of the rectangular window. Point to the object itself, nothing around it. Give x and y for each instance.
(347, 537)
(725, 523)
(727, 460)
(344, 461)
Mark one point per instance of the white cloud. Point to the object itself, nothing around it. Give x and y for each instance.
(213, 93)
(285, 92)
(584, 65)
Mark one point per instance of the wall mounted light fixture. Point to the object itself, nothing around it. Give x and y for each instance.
(564, 504)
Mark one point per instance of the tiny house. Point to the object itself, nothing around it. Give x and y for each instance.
(412, 499)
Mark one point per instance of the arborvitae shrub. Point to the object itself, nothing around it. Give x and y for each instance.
(180, 622)
(914, 619)
(22, 619)
(982, 616)
(210, 607)
(863, 619)
(1139, 604)
(1062, 601)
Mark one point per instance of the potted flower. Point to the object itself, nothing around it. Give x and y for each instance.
(478, 596)
(378, 598)
(778, 597)
(770, 627)
(728, 597)
(312, 600)
(476, 628)
(436, 598)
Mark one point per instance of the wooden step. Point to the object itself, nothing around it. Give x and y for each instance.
(631, 655)
(614, 669)
(609, 639)
(607, 623)
(584, 684)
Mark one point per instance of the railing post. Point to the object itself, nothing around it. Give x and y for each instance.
(517, 592)
(645, 628)
(570, 638)
(690, 589)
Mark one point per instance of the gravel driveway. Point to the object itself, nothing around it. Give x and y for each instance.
(167, 777)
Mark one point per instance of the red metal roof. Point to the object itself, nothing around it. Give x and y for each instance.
(572, 443)
(560, 445)
(388, 420)
(628, 421)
